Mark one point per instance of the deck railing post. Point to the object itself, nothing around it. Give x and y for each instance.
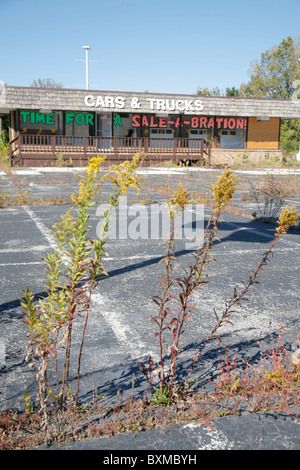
(53, 144)
(20, 139)
(146, 144)
(84, 147)
(209, 153)
(115, 140)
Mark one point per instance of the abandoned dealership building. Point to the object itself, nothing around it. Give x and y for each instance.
(79, 124)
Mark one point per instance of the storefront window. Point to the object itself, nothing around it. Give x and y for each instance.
(41, 123)
(162, 138)
(161, 129)
(79, 124)
(232, 139)
(122, 124)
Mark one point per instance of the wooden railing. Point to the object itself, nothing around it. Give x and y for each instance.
(25, 144)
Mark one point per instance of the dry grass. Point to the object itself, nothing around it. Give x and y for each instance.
(240, 387)
(271, 384)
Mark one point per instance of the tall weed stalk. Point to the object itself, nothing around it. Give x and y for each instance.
(73, 271)
(174, 304)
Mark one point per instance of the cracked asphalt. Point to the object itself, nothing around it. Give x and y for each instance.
(120, 333)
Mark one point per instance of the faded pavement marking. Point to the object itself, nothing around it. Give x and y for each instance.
(122, 331)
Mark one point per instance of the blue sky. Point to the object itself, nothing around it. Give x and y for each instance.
(162, 46)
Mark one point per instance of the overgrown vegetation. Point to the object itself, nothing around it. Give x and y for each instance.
(72, 273)
(271, 384)
(270, 196)
(175, 304)
(4, 149)
(274, 75)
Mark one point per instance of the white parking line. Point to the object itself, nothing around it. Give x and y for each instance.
(24, 250)
(292, 201)
(209, 439)
(258, 232)
(42, 227)
(20, 264)
(253, 250)
(121, 330)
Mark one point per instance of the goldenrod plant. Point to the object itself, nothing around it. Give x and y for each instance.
(73, 270)
(4, 149)
(174, 304)
(72, 273)
(287, 219)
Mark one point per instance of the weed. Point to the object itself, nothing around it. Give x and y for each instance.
(169, 319)
(269, 196)
(27, 401)
(68, 294)
(240, 387)
(61, 162)
(272, 383)
(72, 272)
(3, 199)
(161, 396)
(175, 306)
(244, 161)
(4, 149)
(23, 196)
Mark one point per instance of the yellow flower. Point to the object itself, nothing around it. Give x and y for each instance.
(65, 228)
(180, 197)
(224, 189)
(94, 164)
(126, 175)
(287, 218)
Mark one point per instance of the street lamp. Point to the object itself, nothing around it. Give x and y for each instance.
(87, 48)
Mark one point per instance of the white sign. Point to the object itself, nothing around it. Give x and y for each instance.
(153, 104)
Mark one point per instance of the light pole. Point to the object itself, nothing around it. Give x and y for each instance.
(87, 48)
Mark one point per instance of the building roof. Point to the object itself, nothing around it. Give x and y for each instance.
(54, 99)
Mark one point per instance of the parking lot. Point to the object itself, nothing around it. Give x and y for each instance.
(120, 334)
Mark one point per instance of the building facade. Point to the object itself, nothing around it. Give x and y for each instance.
(81, 123)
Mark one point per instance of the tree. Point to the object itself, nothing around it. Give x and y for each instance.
(290, 136)
(232, 91)
(46, 83)
(217, 92)
(209, 91)
(274, 74)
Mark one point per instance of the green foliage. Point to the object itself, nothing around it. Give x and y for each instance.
(27, 401)
(274, 74)
(46, 83)
(217, 92)
(72, 272)
(161, 396)
(232, 91)
(290, 136)
(176, 302)
(209, 91)
(4, 147)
